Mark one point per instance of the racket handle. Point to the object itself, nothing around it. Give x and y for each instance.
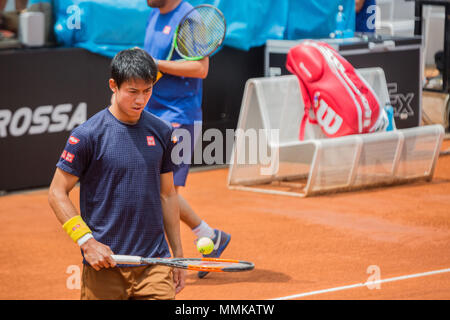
(123, 259)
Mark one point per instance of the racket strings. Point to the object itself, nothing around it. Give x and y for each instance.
(212, 264)
(199, 40)
(201, 32)
(217, 265)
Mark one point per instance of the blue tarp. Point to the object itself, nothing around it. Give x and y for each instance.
(317, 18)
(108, 26)
(252, 22)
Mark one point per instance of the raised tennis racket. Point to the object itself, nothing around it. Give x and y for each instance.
(195, 264)
(199, 34)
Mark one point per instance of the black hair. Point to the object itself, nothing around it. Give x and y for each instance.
(132, 64)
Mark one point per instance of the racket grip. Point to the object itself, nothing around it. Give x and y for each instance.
(123, 259)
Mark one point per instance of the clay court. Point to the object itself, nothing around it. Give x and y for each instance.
(323, 247)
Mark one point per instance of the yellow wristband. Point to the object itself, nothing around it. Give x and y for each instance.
(76, 228)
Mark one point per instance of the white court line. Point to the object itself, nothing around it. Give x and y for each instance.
(359, 285)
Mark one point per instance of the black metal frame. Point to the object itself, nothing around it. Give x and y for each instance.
(418, 31)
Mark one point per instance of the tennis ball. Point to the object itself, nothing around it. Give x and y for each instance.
(205, 245)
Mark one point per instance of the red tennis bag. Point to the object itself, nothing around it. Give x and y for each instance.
(342, 102)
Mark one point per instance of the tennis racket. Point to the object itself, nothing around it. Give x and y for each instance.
(195, 264)
(199, 34)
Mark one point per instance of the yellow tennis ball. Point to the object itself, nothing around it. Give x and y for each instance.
(205, 245)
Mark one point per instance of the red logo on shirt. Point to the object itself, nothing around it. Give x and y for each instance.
(167, 29)
(70, 157)
(73, 140)
(67, 156)
(150, 140)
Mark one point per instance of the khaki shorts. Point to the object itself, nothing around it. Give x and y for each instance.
(137, 283)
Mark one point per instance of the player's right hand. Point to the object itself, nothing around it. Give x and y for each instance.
(179, 278)
(98, 255)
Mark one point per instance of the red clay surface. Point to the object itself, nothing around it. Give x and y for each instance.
(298, 245)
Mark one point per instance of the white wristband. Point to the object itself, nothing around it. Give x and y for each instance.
(84, 238)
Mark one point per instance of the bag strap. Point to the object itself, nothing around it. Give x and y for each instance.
(307, 102)
(305, 95)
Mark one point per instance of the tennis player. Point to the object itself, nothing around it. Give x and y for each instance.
(122, 158)
(178, 100)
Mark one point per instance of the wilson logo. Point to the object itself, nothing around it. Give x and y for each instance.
(43, 119)
(328, 119)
